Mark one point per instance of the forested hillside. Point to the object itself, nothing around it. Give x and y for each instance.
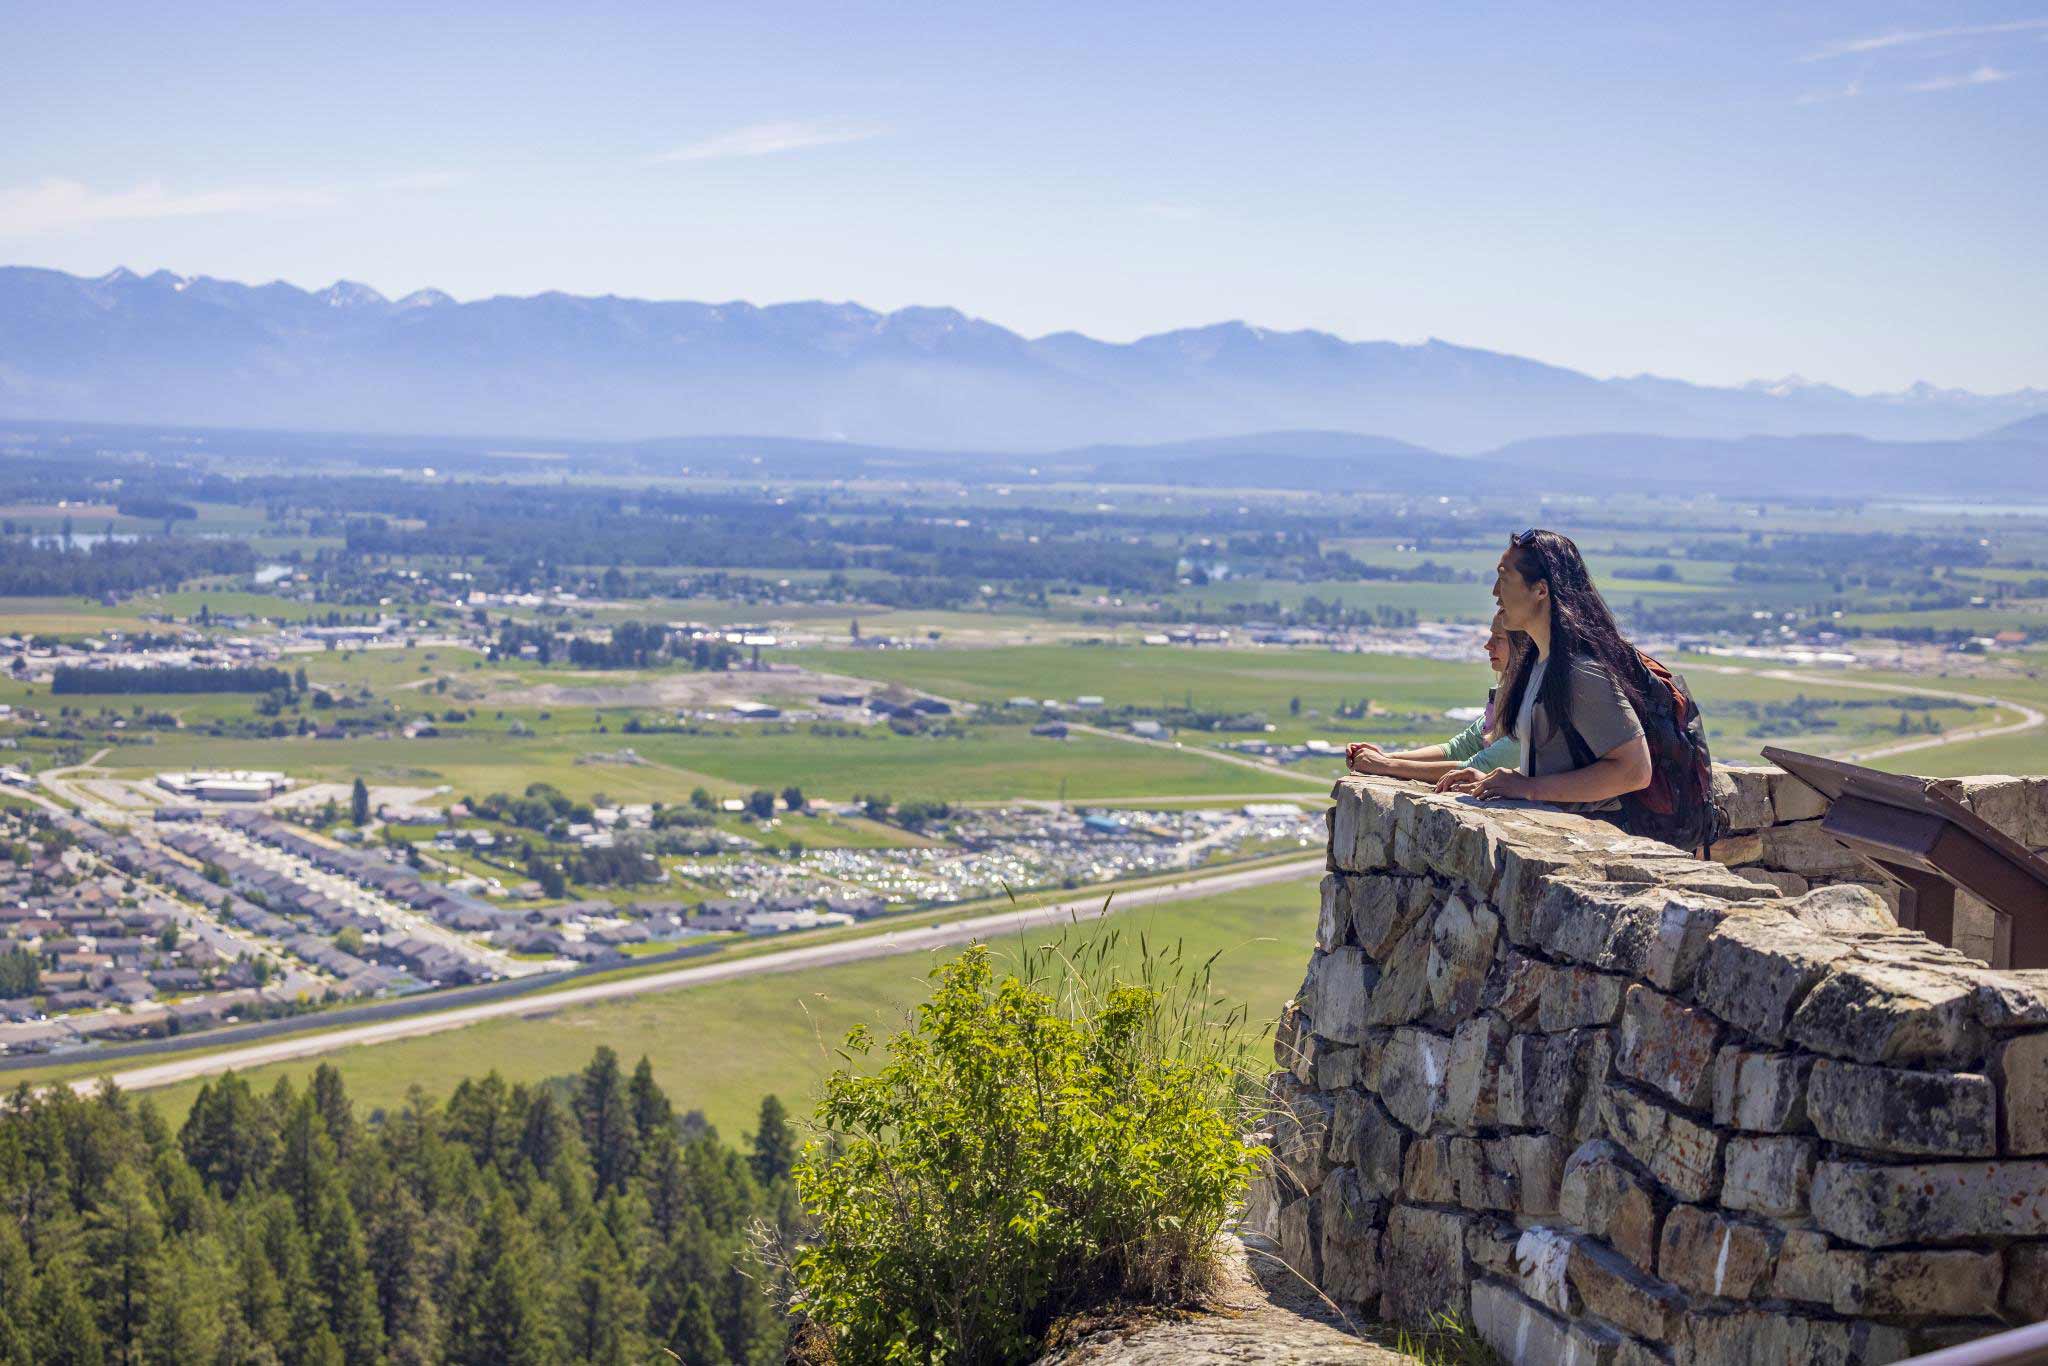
(579, 1221)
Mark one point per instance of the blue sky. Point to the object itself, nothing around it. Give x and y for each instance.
(1854, 192)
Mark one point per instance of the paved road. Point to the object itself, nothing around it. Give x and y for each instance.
(910, 940)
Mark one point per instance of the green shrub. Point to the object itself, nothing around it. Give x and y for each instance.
(1036, 1144)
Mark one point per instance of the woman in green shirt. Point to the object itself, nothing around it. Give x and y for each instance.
(1481, 747)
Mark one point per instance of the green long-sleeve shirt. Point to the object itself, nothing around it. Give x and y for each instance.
(1469, 748)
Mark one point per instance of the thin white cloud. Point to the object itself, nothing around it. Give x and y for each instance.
(1878, 42)
(56, 205)
(765, 139)
(1983, 75)
(1847, 92)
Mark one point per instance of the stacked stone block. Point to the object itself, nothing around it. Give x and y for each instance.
(1619, 1105)
(1775, 837)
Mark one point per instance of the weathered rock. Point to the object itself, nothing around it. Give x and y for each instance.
(1956, 1283)
(1262, 1207)
(1755, 1336)
(1709, 1254)
(1542, 1259)
(1483, 1174)
(1931, 1202)
(1679, 1151)
(1806, 849)
(1553, 997)
(1380, 913)
(1526, 866)
(1364, 1137)
(1611, 1287)
(2021, 1066)
(1551, 1081)
(1880, 1012)
(1427, 1174)
(1288, 1036)
(1668, 1046)
(1792, 800)
(1763, 1092)
(1336, 1066)
(1768, 1175)
(1362, 824)
(1788, 884)
(1413, 1069)
(1844, 908)
(1301, 1125)
(1349, 1221)
(1893, 1110)
(1401, 995)
(1603, 1194)
(1743, 796)
(1535, 1164)
(1809, 1268)
(1651, 933)
(1472, 1090)
(2002, 802)
(1340, 982)
(1758, 968)
(1737, 849)
(1461, 940)
(1333, 916)
(2026, 1282)
(1423, 1261)
(1301, 1236)
(1490, 1245)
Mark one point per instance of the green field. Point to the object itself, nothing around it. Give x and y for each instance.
(720, 1048)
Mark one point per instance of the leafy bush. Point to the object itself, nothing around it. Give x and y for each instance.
(1036, 1144)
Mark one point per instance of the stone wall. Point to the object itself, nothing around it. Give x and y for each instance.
(1616, 1104)
(1775, 837)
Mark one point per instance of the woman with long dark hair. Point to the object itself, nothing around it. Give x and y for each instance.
(1571, 700)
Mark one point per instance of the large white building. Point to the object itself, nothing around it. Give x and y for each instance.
(239, 785)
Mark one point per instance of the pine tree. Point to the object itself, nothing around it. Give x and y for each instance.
(123, 1239)
(330, 1097)
(774, 1143)
(359, 803)
(229, 1138)
(652, 1113)
(606, 1122)
(603, 1308)
(341, 1274)
(17, 1297)
(65, 1334)
(499, 1319)
(188, 1304)
(694, 1336)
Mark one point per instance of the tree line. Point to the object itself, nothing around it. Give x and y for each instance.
(575, 1221)
(29, 570)
(169, 678)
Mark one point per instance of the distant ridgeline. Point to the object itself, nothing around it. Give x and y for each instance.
(72, 679)
(1619, 1105)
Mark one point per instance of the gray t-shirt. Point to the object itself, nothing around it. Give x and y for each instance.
(1600, 713)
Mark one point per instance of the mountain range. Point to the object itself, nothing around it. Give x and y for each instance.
(164, 348)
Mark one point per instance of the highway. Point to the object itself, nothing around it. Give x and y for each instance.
(916, 939)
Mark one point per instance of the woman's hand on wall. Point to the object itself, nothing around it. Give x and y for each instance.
(1504, 783)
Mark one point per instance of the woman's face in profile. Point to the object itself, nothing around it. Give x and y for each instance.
(1497, 649)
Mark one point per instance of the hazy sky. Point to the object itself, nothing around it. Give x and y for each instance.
(1852, 191)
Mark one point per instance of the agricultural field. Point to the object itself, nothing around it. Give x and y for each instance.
(720, 1048)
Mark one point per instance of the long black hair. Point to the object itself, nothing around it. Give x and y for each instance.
(1581, 627)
